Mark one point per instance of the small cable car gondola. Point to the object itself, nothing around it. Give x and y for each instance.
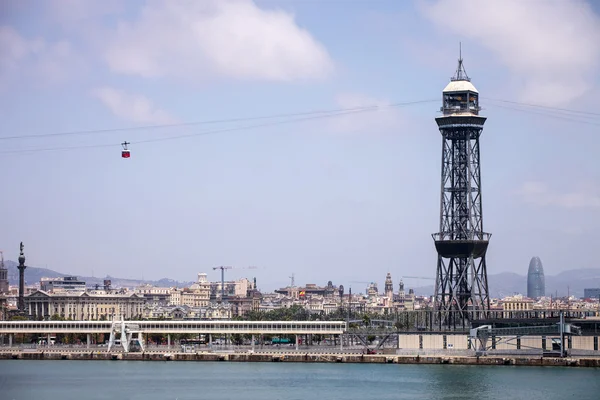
(125, 153)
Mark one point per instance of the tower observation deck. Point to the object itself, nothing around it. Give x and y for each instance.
(461, 286)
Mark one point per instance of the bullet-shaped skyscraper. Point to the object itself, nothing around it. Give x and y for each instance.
(536, 283)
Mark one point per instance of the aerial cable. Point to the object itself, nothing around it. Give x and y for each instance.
(210, 122)
(567, 117)
(216, 131)
(223, 130)
(211, 132)
(542, 106)
(89, 146)
(275, 116)
(305, 116)
(548, 112)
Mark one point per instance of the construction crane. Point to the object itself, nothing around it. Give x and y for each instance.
(418, 277)
(223, 268)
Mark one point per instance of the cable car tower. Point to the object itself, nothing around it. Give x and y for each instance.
(461, 285)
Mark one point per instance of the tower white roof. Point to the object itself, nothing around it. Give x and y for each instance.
(460, 86)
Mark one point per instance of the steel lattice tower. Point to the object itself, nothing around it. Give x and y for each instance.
(461, 286)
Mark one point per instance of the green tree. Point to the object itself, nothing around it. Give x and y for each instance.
(366, 320)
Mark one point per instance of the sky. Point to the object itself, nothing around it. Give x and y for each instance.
(345, 198)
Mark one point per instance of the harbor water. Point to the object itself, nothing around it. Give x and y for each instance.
(65, 380)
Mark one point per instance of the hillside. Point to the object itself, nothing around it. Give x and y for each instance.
(34, 274)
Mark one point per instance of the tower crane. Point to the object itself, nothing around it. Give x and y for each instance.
(223, 268)
(418, 277)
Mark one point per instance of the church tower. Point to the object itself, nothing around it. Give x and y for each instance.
(389, 287)
(3, 276)
(401, 293)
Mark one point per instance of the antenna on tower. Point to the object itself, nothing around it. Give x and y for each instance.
(461, 73)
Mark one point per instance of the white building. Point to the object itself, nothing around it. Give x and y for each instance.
(84, 306)
(66, 284)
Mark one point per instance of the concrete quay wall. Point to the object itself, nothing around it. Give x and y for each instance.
(310, 358)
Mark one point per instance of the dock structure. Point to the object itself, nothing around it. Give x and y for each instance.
(301, 357)
(217, 327)
(532, 336)
(482, 333)
(297, 328)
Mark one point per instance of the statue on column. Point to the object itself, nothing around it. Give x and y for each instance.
(21, 267)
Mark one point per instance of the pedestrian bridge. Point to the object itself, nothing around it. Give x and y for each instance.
(198, 327)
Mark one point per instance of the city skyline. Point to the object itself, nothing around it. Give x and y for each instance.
(353, 196)
(502, 284)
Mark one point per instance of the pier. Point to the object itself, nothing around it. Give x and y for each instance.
(300, 357)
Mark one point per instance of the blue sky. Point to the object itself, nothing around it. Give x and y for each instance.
(344, 199)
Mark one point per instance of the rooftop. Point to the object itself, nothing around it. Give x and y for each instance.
(460, 86)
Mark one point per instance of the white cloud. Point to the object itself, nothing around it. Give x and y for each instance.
(538, 193)
(378, 115)
(34, 59)
(233, 38)
(132, 107)
(552, 46)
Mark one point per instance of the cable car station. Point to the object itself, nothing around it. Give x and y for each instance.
(127, 329)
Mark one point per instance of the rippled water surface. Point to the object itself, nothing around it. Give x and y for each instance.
(24, 379)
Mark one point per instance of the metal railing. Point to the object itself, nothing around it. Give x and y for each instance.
(470, 236)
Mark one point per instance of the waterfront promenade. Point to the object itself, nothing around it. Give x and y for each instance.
(325, 355)
(331, 337)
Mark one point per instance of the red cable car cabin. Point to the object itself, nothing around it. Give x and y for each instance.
(125, 153)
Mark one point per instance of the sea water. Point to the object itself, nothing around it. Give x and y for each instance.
(147, 380)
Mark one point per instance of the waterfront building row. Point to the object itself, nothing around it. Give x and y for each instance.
(83, 306)
(201, 300)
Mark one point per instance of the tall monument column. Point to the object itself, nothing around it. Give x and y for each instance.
(21, 267)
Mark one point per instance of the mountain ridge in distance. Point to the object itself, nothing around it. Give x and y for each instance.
(501, 284)
(34, 275)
